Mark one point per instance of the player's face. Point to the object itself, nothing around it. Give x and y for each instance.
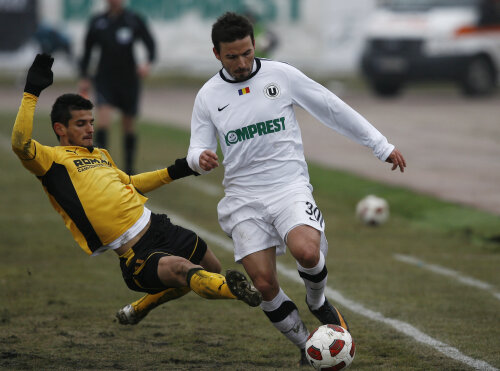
(115, 4)
(237, 57)
(80, 130)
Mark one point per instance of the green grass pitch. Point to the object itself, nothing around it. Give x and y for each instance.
(57, 305)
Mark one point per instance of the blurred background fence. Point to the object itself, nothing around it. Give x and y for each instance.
(323, 38)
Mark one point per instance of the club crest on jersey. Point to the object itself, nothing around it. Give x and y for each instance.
(244, 91)
(272, 90)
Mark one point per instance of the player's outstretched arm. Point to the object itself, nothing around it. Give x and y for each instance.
(397, 160)
(38, 78)
(146, 182)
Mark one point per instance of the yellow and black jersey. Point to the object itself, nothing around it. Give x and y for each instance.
(97, 201)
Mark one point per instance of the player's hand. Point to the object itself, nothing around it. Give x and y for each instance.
(180, 169)
(40, 74)
(397, 160)
(84, 86)
(208, 160)
(143, 70)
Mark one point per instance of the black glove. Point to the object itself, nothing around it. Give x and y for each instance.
(39, 75)
(180, 169)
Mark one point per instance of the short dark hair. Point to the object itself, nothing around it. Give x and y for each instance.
(64, 104)
(230, 27)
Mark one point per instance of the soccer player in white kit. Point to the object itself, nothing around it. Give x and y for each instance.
(248, 108)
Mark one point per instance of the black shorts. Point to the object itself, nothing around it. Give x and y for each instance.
(123, 95)
(140, 269)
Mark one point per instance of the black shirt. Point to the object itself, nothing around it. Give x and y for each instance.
(115, 36)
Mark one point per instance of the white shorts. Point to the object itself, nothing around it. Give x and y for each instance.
(258, 223)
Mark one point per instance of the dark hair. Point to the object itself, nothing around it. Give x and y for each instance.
(230, 27)
(64, 104)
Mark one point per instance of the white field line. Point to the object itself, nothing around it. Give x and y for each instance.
(337, 297)
(448, 272)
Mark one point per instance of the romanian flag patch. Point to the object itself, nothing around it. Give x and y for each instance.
(244, 91)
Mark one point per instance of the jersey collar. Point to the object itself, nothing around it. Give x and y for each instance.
(228, 78)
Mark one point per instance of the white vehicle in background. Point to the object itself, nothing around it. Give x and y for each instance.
(422, 40)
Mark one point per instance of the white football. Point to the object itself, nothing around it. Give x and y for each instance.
(372, 210)
(330, 347)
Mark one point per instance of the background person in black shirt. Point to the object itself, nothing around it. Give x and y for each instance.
(117, 81)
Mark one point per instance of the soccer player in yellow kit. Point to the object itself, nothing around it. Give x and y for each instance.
(104, 208)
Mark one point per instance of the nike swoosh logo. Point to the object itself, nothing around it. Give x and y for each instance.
(220, 109)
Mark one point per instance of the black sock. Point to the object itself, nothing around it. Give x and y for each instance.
(129, 144)
(190, 274)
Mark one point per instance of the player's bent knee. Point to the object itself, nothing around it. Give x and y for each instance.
(308, 257)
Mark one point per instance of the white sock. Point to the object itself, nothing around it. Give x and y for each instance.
(315, 282)
(284, 315)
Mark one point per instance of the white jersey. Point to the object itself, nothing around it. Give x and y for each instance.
(255, 124)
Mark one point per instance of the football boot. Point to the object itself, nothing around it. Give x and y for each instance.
(241, 288)
(128, 316)
(303, 362)
(328, 314)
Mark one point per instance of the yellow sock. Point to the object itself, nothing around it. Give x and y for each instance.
(151, 301)
(209, 285)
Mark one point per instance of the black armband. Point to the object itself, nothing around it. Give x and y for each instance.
(180, 169)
